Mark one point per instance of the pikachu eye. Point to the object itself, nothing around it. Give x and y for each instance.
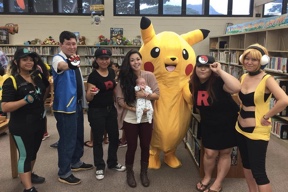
(155, 52)
(185, 54)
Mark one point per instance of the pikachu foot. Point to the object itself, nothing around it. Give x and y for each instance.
(154, 161)
(171, 160)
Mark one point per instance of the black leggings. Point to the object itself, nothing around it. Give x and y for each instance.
(253, 154)
(28, 145)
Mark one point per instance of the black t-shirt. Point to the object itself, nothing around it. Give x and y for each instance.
(221, 113)
(105, 85)
(35, 110)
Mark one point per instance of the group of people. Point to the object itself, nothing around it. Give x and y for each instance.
(125, 101)
(27, 87)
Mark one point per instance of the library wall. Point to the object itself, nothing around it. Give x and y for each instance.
(31, 27)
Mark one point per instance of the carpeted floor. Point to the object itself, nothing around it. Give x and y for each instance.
(163, 180)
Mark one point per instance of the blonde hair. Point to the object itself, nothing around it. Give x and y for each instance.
(255, 54)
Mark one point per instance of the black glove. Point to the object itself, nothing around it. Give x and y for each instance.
(73, 62)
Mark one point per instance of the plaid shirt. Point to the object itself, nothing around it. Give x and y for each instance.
(3, 60)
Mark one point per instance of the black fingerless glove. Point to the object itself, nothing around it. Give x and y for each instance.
(29, 99)
(32, 96)
(74, 63)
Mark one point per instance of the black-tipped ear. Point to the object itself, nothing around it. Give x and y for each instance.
(145, 23)
(205, 32)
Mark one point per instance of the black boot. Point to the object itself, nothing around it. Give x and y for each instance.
(130, 176)
(143, 175)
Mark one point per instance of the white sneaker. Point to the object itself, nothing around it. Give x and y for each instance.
(100, 174)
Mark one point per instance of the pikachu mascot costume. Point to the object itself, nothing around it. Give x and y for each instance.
(171, 58)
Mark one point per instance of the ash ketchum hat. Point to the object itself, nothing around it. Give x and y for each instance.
(101, 52)
(204, 60)
(24, 52)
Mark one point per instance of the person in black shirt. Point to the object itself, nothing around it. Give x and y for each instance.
(211, 88)
(23, 96)
(102, 114)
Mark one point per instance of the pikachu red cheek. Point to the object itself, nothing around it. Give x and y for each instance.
(189, 69)
(148, 66)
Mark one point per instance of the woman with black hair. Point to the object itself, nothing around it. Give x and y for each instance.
(126, 102)
(23, 96)
(102, 114)
(211, 89)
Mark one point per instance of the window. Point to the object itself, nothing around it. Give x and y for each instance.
(216, 8)
(1, 6)
(172, 7)
(273, 8)
(149, 9)
(194, 7)
(125, 7)
(75, 7)
(44, 6)
(18, 7)
(183, 7)
(244, 5)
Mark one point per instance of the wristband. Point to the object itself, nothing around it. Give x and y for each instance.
(265, 118)
(27, 100)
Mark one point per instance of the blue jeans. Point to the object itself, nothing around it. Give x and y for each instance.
(71, 140)
(101, 119)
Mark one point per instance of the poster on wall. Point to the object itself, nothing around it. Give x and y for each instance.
(116, 35)
(4, 36)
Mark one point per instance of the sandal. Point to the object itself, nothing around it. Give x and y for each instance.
(202, 187)
(87, 144)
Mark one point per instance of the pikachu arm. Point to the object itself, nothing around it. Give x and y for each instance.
(187, 94)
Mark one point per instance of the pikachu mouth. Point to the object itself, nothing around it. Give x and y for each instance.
(170, 68)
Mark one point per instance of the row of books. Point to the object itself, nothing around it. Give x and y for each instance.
(279, 129)
(40, 50)
(114, 50)
(229, 57)
(232, 57)
(278, 63)
(234, 70)
(86, 70)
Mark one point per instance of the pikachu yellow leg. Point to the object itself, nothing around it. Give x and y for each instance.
(154, 159)
(171, 160)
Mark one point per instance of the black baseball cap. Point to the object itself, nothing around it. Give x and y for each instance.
(102, 52)
(204, 60)
(24, 52)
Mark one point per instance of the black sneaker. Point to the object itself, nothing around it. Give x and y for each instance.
(118, 167)
(71, 180)
(30, 190)
(83, 167)
(37, 179)
(54, 145)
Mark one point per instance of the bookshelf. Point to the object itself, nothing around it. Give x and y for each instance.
(227, 48)
(194, 146)
(86, 53)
